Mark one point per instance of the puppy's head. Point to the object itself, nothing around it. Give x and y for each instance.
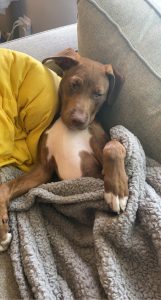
(85, 86)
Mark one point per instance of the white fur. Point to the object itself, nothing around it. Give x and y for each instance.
(65, 145)
(5, 243)
(123, 203)
(116, 204)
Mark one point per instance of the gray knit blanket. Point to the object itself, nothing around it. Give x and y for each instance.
(67, 245)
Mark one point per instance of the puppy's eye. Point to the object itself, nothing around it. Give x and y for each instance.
(75, 84)
(97, 95)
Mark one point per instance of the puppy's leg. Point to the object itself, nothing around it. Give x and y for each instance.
(98, 141)
(115, 178)
(15, 188)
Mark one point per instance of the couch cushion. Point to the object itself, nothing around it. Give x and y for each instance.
(46, 43)
(128, 35)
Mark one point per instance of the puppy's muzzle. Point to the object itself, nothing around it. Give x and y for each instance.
(78, 119)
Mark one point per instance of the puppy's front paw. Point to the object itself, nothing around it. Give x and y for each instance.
(116, 191)
(4, 244)
(115, 178)
(5, 236)
(116, 203)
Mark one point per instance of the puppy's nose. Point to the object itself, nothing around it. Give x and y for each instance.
(78, 119)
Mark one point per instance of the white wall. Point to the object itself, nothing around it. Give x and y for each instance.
(46, 14)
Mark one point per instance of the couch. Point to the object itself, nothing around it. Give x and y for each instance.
(128, 35)
(40, 46)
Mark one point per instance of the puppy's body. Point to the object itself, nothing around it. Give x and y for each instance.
(76, 145)
(62, 141)
(73, 151)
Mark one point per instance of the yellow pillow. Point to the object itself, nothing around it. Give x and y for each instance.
(28, 103)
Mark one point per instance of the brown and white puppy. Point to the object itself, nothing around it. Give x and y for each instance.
(75, 145)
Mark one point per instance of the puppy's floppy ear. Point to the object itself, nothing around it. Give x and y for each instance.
(66, 59)
(115, 83)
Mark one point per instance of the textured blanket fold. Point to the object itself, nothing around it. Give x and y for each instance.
(67, 245)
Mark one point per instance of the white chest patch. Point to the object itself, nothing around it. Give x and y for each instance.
(65, 146)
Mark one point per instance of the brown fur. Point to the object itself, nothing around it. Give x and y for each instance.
(77, 93)
(90, 165)
(114, 170)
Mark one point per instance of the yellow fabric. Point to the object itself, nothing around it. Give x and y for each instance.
(28, 103)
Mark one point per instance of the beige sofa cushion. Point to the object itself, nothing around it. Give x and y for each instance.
(128, 35)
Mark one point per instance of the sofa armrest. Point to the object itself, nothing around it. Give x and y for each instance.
(47, 43)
